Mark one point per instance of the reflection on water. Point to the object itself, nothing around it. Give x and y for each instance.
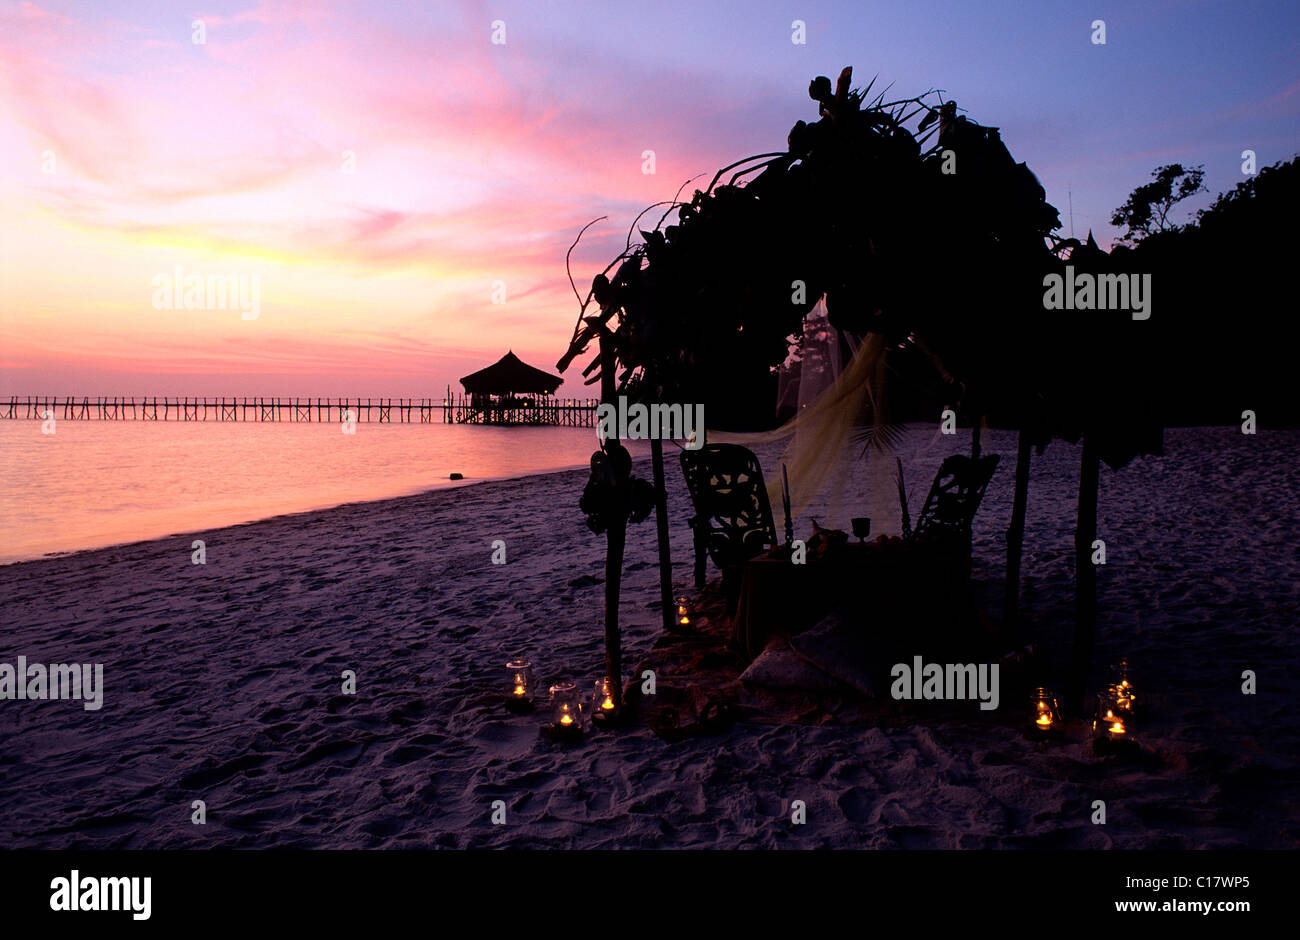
(96, 483)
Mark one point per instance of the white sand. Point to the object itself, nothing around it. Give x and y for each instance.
(223, 682)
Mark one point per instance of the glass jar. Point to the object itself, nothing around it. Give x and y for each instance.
(1122, 681)
(685, 615)
(520, 689)
(602, 697)
(1044, 712)
(566, 710)
(1111, 722)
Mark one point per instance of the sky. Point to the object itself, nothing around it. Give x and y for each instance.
(397, 190)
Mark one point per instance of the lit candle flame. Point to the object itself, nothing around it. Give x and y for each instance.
(1044, 721)
(566, 719)
(1118, 728)
(519, 690)
(608, 703)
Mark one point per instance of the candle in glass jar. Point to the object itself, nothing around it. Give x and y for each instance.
(683, 611)
(1112, 725)
(1044, 712)
(519, 697)
(1115, 722)
(566, 715)
(605, 711)
(1119, 679)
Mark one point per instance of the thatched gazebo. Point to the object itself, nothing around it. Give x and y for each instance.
(509, 391)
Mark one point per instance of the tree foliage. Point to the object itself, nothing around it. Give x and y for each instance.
(1147, 210)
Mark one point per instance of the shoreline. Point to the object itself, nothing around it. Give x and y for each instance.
(450, 485)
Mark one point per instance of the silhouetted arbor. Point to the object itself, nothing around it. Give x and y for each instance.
(941, 251)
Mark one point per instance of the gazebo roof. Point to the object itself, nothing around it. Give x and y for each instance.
(510, 374)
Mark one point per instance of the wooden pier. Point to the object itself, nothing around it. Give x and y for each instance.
(541, 410)
(522, 409)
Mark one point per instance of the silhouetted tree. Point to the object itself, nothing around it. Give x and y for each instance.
(1255, 201)
(1147, 210)
(1226, 338)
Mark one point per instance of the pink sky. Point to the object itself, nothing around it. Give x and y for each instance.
(471, 164)
(127, 150)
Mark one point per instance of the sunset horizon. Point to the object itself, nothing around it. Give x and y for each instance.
(406, 231)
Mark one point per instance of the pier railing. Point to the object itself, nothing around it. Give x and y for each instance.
(529, 409)
(564, 412)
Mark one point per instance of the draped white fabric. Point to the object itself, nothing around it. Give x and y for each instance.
(827, 466)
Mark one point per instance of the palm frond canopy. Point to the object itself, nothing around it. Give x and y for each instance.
(912, 222)
(510, 374)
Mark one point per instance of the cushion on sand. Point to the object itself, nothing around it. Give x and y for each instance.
(843, 650)
(781, 668)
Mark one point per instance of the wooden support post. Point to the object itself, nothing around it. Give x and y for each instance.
(1016, 534)
(661, 527)
(1085, 577)
(615, 540)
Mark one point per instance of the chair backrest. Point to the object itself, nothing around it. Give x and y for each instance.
(955, 495)
(730, 497)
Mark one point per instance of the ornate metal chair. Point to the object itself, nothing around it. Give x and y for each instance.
(950, 506)
(733, 519)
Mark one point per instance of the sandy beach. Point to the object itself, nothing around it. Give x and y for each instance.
(223, 681)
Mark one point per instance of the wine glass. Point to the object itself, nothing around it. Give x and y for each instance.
(861, 527)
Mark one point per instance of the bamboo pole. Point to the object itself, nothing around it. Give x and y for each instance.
(669, 610)
(1085, 576)
(661, 527)
(1016, 532)
(615, 540)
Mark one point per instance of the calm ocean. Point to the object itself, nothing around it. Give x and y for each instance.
(98, 483)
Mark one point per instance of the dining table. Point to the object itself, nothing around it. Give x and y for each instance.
(877, 583)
